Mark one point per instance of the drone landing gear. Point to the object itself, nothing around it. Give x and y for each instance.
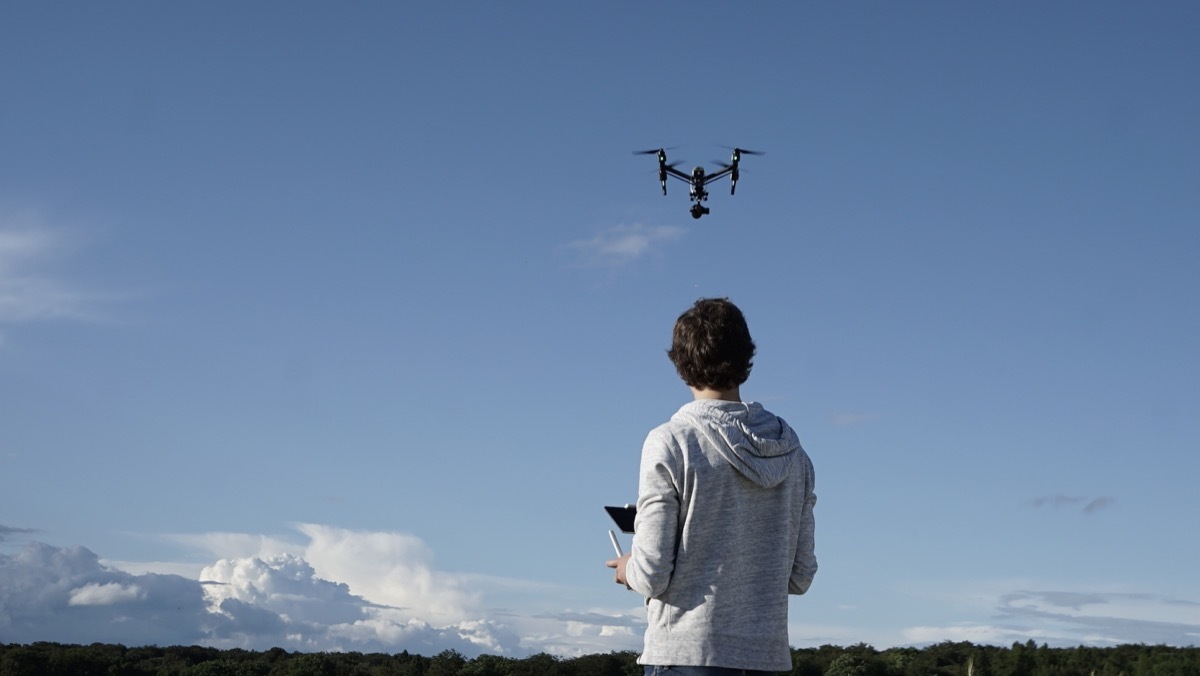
(699, 210)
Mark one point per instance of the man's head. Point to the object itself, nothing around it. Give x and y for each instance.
(711, 345)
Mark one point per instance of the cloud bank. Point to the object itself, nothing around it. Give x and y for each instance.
(1069, 618)
(335, 589)
(64, 594)
(341, 590)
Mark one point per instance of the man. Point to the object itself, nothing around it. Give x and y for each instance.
(724, 528)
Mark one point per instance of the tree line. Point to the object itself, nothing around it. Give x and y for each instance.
(943, 659)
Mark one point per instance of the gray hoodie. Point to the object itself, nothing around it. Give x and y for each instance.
(724, 532)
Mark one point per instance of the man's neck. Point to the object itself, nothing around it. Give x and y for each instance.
(723, 395)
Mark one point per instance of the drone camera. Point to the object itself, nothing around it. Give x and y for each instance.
(698, 210)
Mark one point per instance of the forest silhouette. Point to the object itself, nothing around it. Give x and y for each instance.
(942, 659)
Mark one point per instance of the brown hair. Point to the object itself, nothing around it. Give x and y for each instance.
(711, 345)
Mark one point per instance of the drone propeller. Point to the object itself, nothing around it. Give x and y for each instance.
(654, 151)
(744, 151)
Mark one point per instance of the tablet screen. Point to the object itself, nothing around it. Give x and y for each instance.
(623, 516)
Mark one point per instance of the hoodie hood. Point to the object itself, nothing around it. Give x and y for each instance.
(758, 443)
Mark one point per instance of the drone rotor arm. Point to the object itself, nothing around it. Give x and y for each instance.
(717, 175)
(672, 171)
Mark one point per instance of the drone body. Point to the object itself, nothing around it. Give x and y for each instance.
(699, 179)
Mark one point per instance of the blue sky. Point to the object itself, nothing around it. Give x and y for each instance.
(334, 327)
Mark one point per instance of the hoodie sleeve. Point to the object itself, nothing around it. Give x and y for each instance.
(652, 556)
(804, 567)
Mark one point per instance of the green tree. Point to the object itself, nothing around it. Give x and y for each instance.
(19, 660)
(1021, 659)
(227, 667)
(541, 664)
(446, 663)
(849, 664)
(612, 664)
(896, 660)
(488, 665)
(306, 664)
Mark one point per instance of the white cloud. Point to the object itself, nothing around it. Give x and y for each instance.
(27, 291)
(284, 584)
(65, 594)
(329, 589)
(392, 569)
(110, 593)
(388, 568)
(34, 285)
(623, 244)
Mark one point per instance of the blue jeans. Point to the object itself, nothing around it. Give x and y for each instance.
(705, 671)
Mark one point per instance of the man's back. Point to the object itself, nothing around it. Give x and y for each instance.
(724, 532)
(724, 528)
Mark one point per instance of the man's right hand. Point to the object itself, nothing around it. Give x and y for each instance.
(619, 564)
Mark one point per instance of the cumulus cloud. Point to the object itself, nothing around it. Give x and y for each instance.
(65, 594)
(284, 599)
(363, 591)
(623, 244)
(1089, 505)
(107, 594)
(394, 569)
(284, 584)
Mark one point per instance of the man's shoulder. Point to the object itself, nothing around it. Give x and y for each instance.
(671, 432)
(664, 431)
(681, 421)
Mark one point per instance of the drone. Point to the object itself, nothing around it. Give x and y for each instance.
(698, 179)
